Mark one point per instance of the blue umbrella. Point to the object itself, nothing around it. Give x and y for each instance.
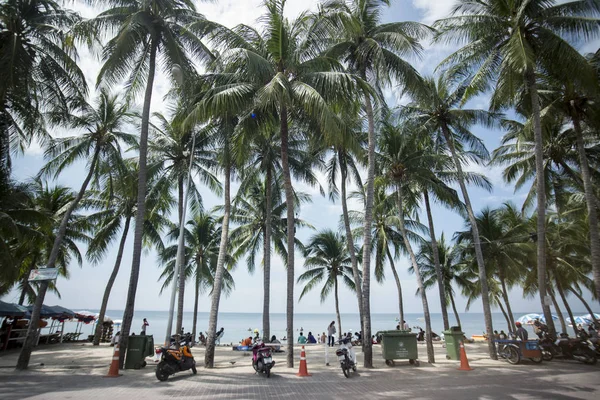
(543, 318)
(581, 320)
(589, 316)
(528, 319)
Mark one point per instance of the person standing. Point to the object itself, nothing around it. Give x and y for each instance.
(331, 334)
(144, 325)
(323, 338)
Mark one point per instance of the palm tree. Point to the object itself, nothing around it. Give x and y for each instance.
(374, 51)
(508, 44)
(273, 77)
(201, 253)
(144, 29)
(39, 72)
(116, 205)
(326, 258)
(100, 143)
(435, 109)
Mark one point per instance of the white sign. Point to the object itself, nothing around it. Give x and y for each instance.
(43, 274)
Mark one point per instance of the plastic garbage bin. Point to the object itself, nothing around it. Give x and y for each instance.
(399, 345)
(453, 337)
(137, 350)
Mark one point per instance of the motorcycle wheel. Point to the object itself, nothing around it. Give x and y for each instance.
(590, 356)
(194, 371)
(346, 372)
(537, 360)
(268, 372)
(354, 368)
(547, 355)
(161, 374)
(512, 355)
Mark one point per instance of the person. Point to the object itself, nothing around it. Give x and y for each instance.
(421, 335)
(115, 338)
(256, 335)
(496, 335)
(302, 338)
(398, 327)
(274, 340)
(405, 326)
(247, 341)
(202, 339)
(502, 335)
(144, 325)
(219, 335)
(521, 332)
(374, 339)
(331, 334)
(324, 338)
(311, 338)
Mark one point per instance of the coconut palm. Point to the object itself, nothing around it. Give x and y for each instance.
(508, 43)
(275, 76)
(375, 52)
(435, 108)
(103, 134)
(39, 72)
(144, 30)
(115, 205)
(326, 258)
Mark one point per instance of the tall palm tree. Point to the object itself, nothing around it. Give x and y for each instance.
(508, 43)
(144, 30)
(375, 52)
(39, 72)
(115, 205)
(100, 142)
(326, 258)
(435, 109)
(276, 76)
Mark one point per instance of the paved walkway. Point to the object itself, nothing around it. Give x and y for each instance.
(69, 374)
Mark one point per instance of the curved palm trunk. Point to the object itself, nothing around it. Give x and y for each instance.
(511, 317)
(349, 236)
(585, 304)
(25, 281)
(422, 292)
(561, 293)
(559, 313)
(454, 309)
(590, 201)
(398, 285)
(367, 345)
(267, 259)
(141, 208)
(109, 284)
(25, 355)
(337, 305)
(541, 199)
(196, 297)
(289, 198)
(209, 356)
(181, 277)
(436, 262)
(485, 297)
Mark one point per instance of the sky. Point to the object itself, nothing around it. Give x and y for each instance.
(85, 287)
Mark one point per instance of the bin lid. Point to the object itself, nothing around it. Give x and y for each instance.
(396, 332)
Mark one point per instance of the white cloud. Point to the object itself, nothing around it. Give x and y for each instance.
(434, 9)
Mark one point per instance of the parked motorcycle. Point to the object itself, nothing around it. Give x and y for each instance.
(346, 356)
(578, 349)
(173, 360)
(262, 361)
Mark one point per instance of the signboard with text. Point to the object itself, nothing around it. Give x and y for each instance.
(43, 274)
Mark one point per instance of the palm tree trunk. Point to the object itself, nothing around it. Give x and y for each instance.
(589, 198)
(25, 282)
(181, 277)
(367, 345)
(267, 258)
(541, 198)
(289, 198)
(561, 293)
(585, 304)
(454, 310)
(398, 285)
(349, 236)
(141, 208)
(196, 297)
(209, 356)
(436, 262)
(559, 313)
(109, 284)
(485, 298)
(422, 292)
(25, 355)
(337, 305)
(511, 317)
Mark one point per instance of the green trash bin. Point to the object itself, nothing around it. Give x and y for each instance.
(453, 337)
(399, 345)
(137, 351)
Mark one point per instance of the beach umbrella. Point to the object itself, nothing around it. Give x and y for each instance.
(581, 320)
(589, 316)
(12, 310)
(543, 318)
(528, 319)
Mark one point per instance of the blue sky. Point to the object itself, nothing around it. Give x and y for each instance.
(85, 287)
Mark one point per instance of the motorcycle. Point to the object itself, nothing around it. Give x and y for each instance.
(262, 361)
(346, 356)
(173, 360)
(578, 349)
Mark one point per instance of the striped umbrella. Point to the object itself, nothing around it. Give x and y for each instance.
(543, 318)
(528, 319)
(580, 320)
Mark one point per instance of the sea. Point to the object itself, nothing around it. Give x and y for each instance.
(241, 325)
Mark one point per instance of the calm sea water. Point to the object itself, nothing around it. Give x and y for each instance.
(240, 325)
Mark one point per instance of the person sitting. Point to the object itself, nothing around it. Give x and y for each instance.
(274, 340)
(302, 338)
(496, 335)
(421, 335)
(202, 339)
(311, 338)
(247, 342)
(502, 335)
(521, 332)
(115, 339)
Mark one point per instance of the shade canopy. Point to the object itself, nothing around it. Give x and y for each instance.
(12, 310)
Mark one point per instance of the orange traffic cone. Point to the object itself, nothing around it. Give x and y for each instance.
(113, 371)
(464, 362)
(303, 371)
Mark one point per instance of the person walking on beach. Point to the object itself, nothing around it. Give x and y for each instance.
(144, 325)
(331, 333)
